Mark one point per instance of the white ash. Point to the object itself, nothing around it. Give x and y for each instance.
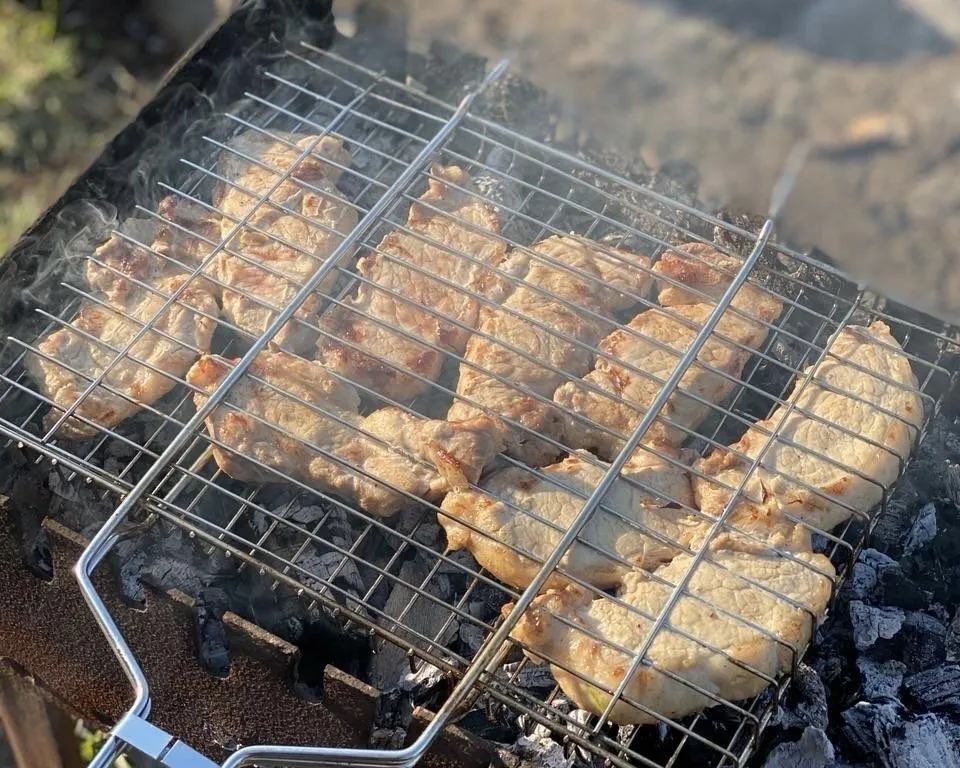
(871, 623)
(812, 750)
(922, 743)
(865, 574)
(541, 752)
(880, 681)
(922, 531)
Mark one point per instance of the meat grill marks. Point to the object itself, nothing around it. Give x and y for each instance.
(559, 340)
(852, 427)
(732, 631)
(286, 238)
(446, 237)
(643, 355)
(633, 528)
(83, 350)
(293, 417)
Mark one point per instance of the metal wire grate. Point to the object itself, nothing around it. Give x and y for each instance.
(356, 565)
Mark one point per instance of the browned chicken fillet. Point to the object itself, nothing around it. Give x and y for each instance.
(652, 345)
(633, 525)
(120, 267)
(162, 360)
(285, 239)
(599, 283)
(450, 220)
(726, 591)
(819, 471)
(291, 416)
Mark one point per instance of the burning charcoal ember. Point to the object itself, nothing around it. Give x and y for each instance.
(812, 750)
(922, 640)
(936, 689)
(871, 623)
(880, 681)
(923, 530)
(805, 703)
(415, 612)
(211, 634)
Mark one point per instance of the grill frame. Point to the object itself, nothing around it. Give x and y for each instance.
(165, 509)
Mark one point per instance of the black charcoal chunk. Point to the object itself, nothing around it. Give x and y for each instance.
(812, 750)
(936, 689)
(865, 726)
(880, 681)
(211, 634)
(472, 637)
(952, 640)
(423, 681)
(531, 676)
(923, 530)
(922, 639)
(922, 743)
(902, 592)
(865, 575)
(871, 623)
(805, 703)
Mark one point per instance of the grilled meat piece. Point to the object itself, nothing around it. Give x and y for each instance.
(600, 283)
(449, 224)
(493, 522)
(817, 471)
(727, 590)
(158, 365)
(119, 267)
(653, 343)
(290, 416)
(286, 238)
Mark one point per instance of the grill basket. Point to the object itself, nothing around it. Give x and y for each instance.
(158, 465)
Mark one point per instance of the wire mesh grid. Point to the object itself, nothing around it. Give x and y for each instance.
(307, 533)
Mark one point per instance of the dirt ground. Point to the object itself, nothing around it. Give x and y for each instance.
(733, 85)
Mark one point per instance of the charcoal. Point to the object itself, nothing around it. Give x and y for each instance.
(329, 566)
(472, 637)
(425, 616)
(211, 634)
(805, 703)
(531, 676)
(865, 574)
(923, 530)
(880, 681)
(937, 688)
(393, 717)
(871, 623)
(423, 681)
(922, 639)
(428, 534)
(865, 726)
(490, 726)
(922, 743)
(812, 750)
(951, 641)
(543, 752)
(308, 515)
(901, 591)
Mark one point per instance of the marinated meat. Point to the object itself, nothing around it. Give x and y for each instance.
(452, 235)
(291, 416)
(286, 238)
(652, 344)
(177, 244)
(735, 602)
(81, 351)
(853, 425)
(558, 345)
(493, 523)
